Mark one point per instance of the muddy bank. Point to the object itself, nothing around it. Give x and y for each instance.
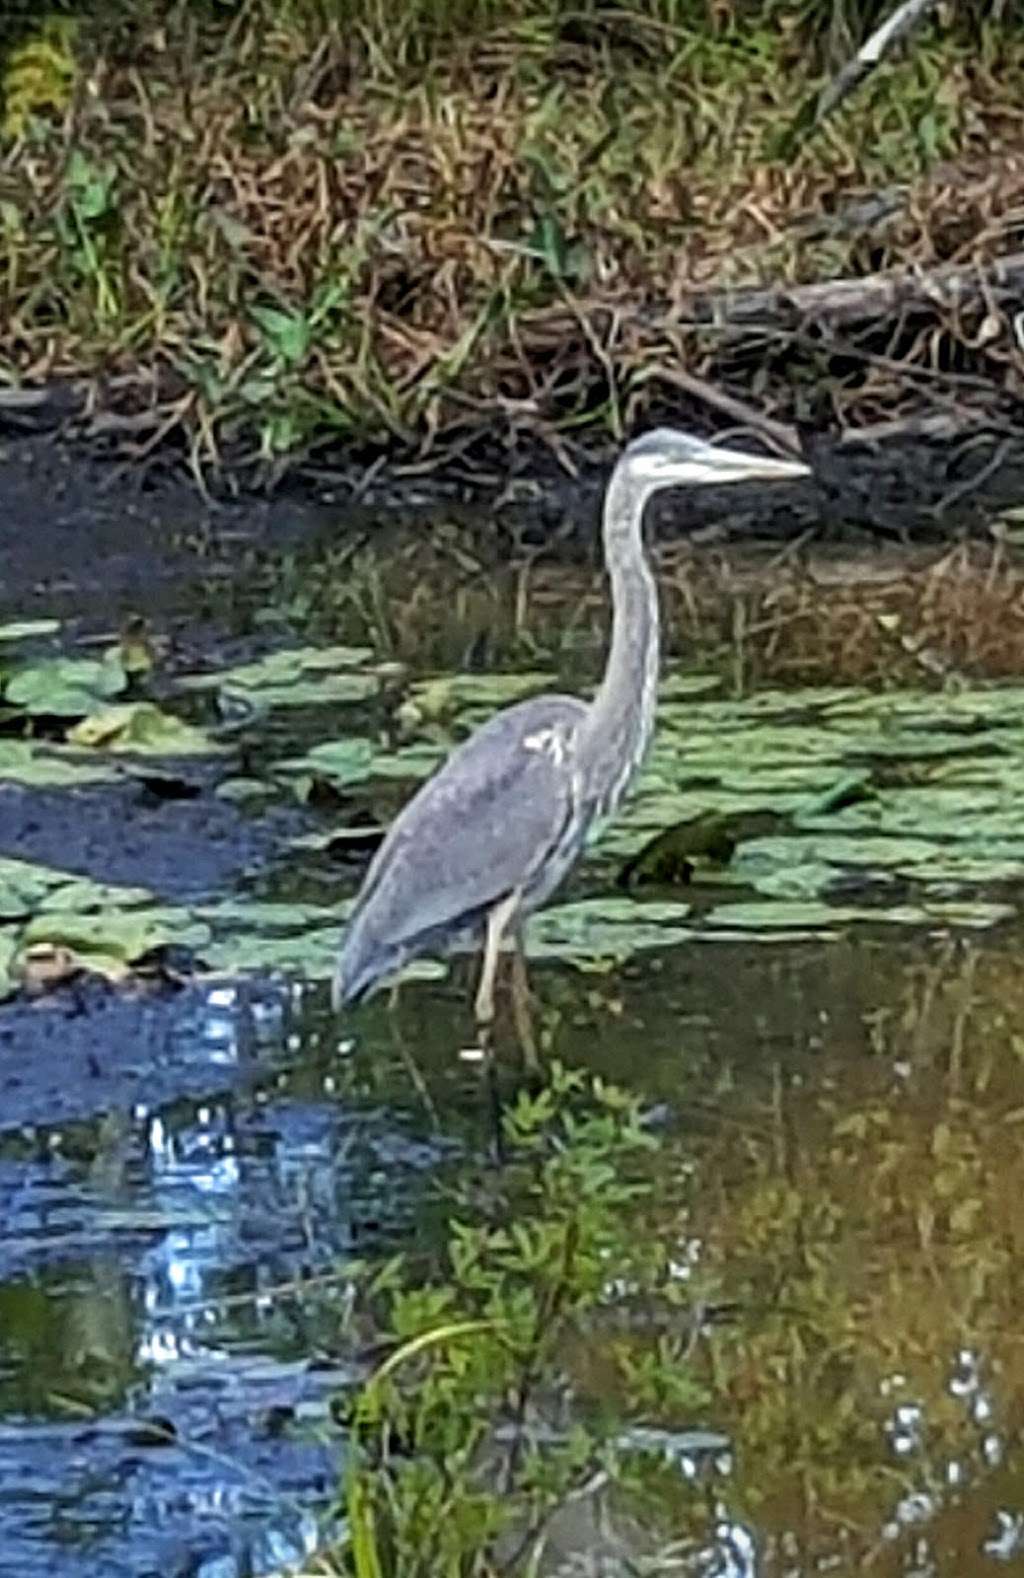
(390, 235)
(75, 523)
(76, 526)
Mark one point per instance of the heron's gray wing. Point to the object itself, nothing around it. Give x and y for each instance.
(479, 828)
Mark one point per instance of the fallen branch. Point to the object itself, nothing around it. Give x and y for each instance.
(874, 296)
(938, 427)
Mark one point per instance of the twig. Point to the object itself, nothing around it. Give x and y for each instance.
(780, 433)
(939, 425)
(969, 484)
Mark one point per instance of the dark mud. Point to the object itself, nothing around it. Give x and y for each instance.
(73, 524)
(74, 528)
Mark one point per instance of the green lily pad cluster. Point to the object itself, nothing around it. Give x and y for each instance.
(65, 687)
(911, 787)
(61, 924)
(54, 925)
(55, 922)
(795, 813)
(76, 708)
(295, 677)
(49, 767)
(826, 803)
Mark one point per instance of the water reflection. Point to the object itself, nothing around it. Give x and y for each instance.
(864, 1212)
(841, 1173)
(140, 1253)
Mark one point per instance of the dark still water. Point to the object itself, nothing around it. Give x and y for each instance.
(826, 1019)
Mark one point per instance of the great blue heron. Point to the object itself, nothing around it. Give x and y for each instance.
(491, 835)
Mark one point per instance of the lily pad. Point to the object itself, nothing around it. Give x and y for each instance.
(259, 934)
(26, 888)
(308, 953)
(268, 915)
(675, 687)
(245, 791)
(110, 942)
(597, 933)
(411, 762)
(295, 677)
(29, 891)
(780, 915)
(357, 839)
(81, 895)
(46, 768)
(347, 761)
(807, 917)
(65, 687)
(143, 729)
(454, 693)
(28, 629)
(8, 978)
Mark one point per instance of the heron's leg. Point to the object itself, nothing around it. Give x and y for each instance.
(521, 999)
(497, 921)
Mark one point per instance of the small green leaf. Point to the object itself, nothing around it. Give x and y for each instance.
(288, 334)
(143, 728)
(65, 687)
(28, 629)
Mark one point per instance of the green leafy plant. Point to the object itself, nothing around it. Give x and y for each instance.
(87, 224)
(472, 1434)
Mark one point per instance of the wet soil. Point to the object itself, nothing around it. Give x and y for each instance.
(76, 527)
(73, 523)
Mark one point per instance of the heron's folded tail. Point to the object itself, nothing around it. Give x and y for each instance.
(358, 971)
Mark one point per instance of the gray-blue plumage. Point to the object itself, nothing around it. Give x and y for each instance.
(493, 833)
(499, 815)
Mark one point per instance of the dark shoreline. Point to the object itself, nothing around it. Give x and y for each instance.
(73, 513)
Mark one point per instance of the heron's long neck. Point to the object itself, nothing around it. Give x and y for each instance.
(621, 717)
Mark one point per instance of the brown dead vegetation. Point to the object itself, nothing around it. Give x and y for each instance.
(246, 244)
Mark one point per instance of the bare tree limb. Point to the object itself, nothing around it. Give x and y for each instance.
(847, 301)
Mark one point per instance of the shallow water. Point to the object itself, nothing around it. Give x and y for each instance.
(186, 1172)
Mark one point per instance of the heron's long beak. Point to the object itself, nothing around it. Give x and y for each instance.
(735, 465)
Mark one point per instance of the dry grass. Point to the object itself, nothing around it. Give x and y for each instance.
(903, 617)
(802, 615)
(266, 237)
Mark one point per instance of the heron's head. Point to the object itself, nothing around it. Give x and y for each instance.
(667, 458)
